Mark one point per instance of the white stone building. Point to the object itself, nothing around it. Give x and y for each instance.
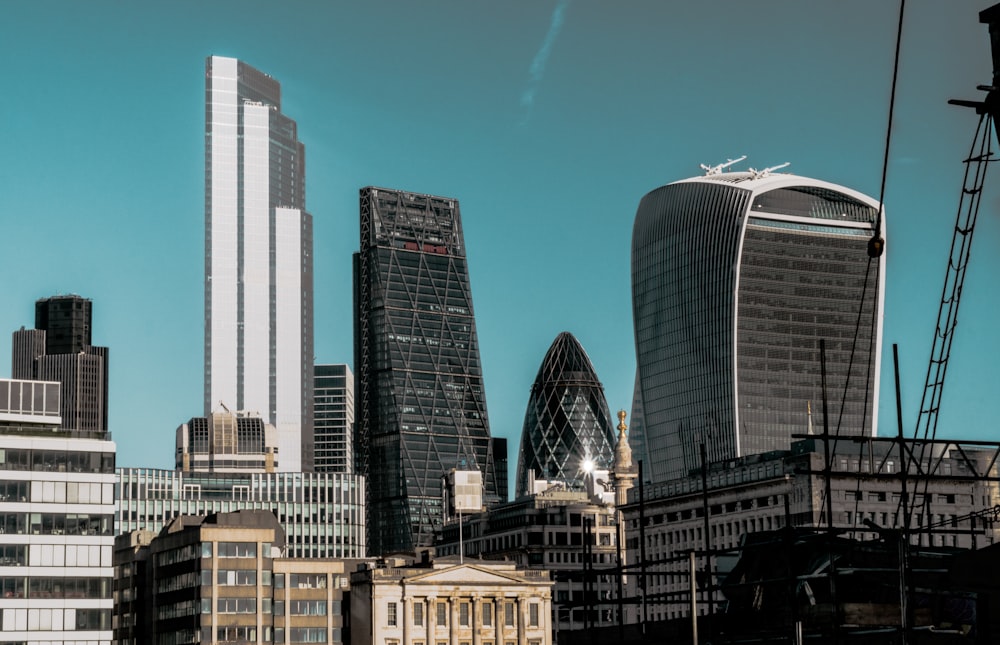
(451, 603)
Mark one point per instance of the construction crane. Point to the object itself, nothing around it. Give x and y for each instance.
(980, 155)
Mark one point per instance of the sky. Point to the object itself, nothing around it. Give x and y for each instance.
(547, 120)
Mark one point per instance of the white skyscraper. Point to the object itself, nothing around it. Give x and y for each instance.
(258, 258)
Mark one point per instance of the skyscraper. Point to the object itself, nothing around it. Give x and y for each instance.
(736, 278)
(567, 426)
(59, 349)
(258, 258)
(333, 418)
(421, 409)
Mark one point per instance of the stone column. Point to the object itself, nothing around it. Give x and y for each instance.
(498, 618)
(430, 616)
(407, 617)
(453, 620)
(521, 618)
(477, 619)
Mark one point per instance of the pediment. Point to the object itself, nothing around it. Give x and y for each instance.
(467, 574)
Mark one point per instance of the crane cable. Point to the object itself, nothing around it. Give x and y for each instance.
(876, 247)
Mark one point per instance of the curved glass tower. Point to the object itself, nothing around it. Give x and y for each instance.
(567, 421)
(736, 277)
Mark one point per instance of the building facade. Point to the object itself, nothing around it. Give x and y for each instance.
(321, 514)
(226, 442)
(567, 426)
(570, 534)
(421, 408)
(333, 418)
(224, 578)
(59, 349)
(949, 482)
(481, 603)
(258, 258)
(56, 522)
(736, 278)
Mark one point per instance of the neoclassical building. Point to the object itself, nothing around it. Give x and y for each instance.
(447, 602)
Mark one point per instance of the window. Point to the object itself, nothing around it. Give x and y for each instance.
(533, 614)
(237, 577)
(237, 549)
(418, 614)
(307, 635)
(508, 614)
(487, 614)
(236, 605)
(442, 613)
(390, 616)
(463, 614)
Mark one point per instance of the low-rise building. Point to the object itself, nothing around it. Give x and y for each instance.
(322, 514)
(224, 578)
(947, 484)
(447, 602)
(569, 533)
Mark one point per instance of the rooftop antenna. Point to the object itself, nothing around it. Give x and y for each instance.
(760, 174)
(716, 170)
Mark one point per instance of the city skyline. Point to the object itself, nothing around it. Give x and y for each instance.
(561, 116)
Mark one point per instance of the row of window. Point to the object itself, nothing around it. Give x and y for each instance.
(441, 609)
(55, 619)
(56, 524)
(57, 492)
(60, 461)
(303, 580)
(22, 587)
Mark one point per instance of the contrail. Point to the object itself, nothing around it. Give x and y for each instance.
(537, 69)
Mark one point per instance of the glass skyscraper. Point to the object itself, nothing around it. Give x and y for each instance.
(736, 277)
(421, 409)
(258, 258)
(567, 426)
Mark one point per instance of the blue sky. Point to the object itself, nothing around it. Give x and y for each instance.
(547, 120)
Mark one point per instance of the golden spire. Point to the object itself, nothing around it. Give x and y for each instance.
(623, 452)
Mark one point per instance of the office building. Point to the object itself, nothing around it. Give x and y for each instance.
(736, 278)
(321, 514)
(951, 482)
(258, 258)
(568, 533)
(59, 349)
(56, 522)
(224, 578)
(333, 418)
(226, 442)
(445, 601)
(567, 426)
(421, 409)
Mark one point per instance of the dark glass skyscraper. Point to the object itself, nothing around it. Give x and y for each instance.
(567, 426)
(421, 410)
(59, 349)
(736, 277)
